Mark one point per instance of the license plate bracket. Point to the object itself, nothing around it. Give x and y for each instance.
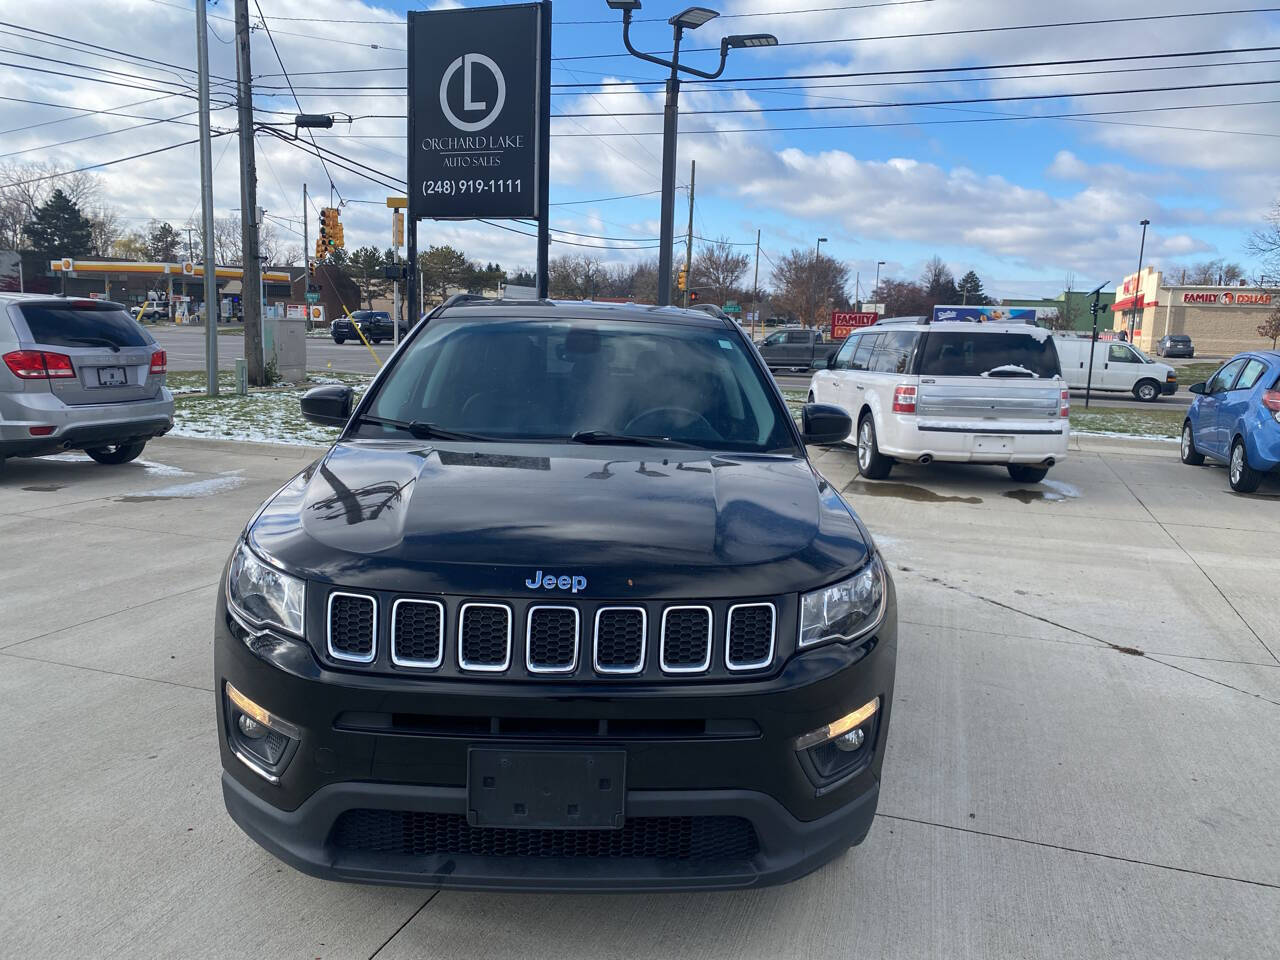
(546, 789)
(993, 444)
(112, 377)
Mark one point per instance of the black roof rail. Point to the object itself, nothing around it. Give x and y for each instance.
(887, 320)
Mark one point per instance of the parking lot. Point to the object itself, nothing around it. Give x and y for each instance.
(1081, 762)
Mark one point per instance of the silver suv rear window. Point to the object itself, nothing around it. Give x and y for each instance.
(975, 353)
(90, 325)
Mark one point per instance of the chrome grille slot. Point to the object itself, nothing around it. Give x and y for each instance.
(352, 627)
(484, 637)
(750, 636)
(551, 639)
(417, 633)
(619, 640)
(686, 639)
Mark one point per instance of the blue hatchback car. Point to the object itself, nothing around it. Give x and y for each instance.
(1235, 418)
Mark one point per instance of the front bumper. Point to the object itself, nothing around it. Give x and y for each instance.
(1169, 388)
(342, 766)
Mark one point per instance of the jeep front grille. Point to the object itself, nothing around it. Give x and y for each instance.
(417, 633)
(619, 641)
(551, 639)
(686, 639)
(484, 637)
(353, 627)
(749, 637)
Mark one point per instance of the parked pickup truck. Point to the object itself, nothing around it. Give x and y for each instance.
(797, 348)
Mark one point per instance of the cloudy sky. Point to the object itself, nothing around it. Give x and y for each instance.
(1043, 182)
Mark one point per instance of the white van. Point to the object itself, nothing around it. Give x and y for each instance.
(1116, 366)
(954, 390)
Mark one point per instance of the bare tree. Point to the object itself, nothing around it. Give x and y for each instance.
(939, 283)
(24, 188)
(1069, 311)
(105, 230)
(809, 285)
(1265, 243)
(1210, 273)
(718, 270)
(1055, 321)
(130, 246)
(575, 276)
(903, 298)
(1270, 328)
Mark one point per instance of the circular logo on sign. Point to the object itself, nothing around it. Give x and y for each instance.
(467, 63)
(1228, 298)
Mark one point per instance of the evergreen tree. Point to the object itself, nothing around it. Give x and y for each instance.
(58, 228)
(163, 242)
(971, 292)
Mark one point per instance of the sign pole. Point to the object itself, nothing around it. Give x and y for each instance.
(544, 152)
(411, 241)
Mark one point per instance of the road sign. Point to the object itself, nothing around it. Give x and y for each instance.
(731, 307)
(312, 297)
(476, 123)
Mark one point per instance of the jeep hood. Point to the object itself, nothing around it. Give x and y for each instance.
(481, 520)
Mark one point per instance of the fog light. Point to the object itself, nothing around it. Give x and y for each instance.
(851, 741)
(836, 728)
(251, 728)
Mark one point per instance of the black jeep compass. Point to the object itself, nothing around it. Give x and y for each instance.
(566, 607)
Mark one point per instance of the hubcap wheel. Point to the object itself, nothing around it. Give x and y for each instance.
(1237, 463)
(864, 445)
(1186, 442)
(1146, 391)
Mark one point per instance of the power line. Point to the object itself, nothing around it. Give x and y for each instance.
(967, 31)
(109, 163)
(1079, 116)
(767, 13)
(105, 133)
(935, 103)
(80, 111)
(296, 101)
(79, 76)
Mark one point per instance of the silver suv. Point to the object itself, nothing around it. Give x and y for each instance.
(78, 375)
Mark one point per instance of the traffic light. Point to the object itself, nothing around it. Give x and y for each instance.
(693, 296)
(682, 279)
(330, 229)
(321, 250)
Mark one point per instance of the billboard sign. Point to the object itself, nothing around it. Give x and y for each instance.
(478, 117)
(843, 323)
(985, 314)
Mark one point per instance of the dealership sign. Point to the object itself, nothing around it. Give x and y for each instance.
(1229, 298)
(478, 118)
(843, 324)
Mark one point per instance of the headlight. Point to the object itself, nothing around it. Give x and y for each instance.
(844, 610)
(263, 594)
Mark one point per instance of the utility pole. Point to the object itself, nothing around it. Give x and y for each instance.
(755, 290)
(1137, 285)
(206, 207)
(306, 258)
(688, 241)
(251, 279)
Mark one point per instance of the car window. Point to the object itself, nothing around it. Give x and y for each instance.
(893, 353)
(1252, 373)
(798, 336)
(83, 324)
(1223, 379)
(775, 338)
(540, 379)
(1120, 353)
(866, 346)
(975, 353)
(844, 356)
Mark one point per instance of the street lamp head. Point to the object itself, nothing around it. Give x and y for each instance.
(624, 5)
(881, 263)
(1145, 223)
(751, 40)
(822, 239)
(693, 18)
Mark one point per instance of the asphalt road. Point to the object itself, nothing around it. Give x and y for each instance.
(1081, 761)
(186, 350)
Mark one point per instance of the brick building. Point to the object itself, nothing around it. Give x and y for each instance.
(1220, 320)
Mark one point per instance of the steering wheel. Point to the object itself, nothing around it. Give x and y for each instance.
(691, 418)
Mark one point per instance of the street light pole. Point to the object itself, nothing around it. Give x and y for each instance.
(206, 207)
(817, 250)
(875, 294)
(689, 19)
(1137, 284)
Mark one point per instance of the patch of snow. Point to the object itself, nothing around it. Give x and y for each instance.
(1124, 436)
(200, 488)
(1066, 490)
(162, 469)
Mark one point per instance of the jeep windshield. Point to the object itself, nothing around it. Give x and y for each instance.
(583, 381)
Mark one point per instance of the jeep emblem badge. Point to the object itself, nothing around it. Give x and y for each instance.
(549, 582)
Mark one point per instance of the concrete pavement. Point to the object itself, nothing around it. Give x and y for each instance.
(1081, 761)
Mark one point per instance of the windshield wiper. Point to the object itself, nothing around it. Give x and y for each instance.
(604, 436)
(421, 429)
(96, 342)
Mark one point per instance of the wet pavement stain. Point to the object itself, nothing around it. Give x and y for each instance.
(904, 491)
(1033, 496)
(45, 487)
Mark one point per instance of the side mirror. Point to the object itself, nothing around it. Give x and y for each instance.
(329, 405)
(822, 423)
(1197, 387)
(831, 362)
